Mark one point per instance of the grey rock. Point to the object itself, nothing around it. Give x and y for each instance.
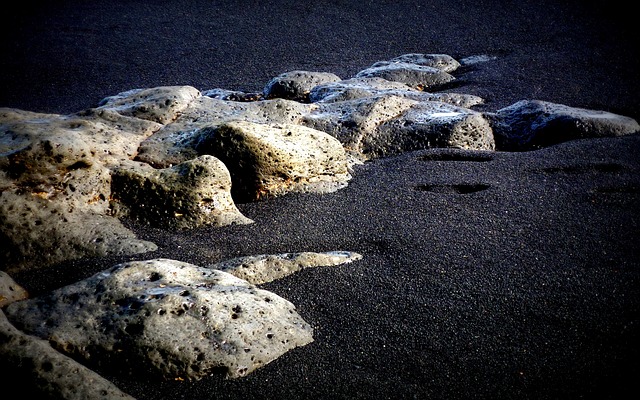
(269, 267)
(380, 126)
(10, 291)
(416, 76)
(272, 160)
(55, 182)
(357, 88)
(175, 142)
(296, 85)
(533, 124)
(161, 104)
(232, 95)
(443, 62)
(194, 193)
(32, 368)
(167, 318)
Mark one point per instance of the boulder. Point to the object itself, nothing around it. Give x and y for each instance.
(443, 62)
(533, 124)
(271, 160)
(416, 76)
(357, 88)
(269, 267)
(55, 185)
(188, 195)
(296, 85)
(379, 126)
(161, 104)
(32, 368)
(174, 143)
(165, 319)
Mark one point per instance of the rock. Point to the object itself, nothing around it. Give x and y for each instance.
(416, 76)
(175, 142)
(431, 125)
(357, 88)
(266, 268)
(533, 124)
(443, 62)
(380, 126)
(167, 318)
(188, 195)
(232, 95)
(55, 182)
(271, 160)
(162, 104)
(296, 85)
(10, 291)
(32, 368)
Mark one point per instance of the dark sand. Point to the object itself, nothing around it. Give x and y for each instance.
(513, 276)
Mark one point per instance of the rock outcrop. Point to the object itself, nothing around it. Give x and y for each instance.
(168, 318)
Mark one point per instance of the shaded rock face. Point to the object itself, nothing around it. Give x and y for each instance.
(533, 124)
(270, 160)
(187, 195)
(168, 318)
(296, 85)
(47, 373)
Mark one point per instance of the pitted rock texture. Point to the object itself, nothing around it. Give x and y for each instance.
(443, 62)
(269, 267)
(10, 291)
(43, 372)
(191, 194)
(296, 85)
(172, 319)
(414, 75)
(271, 160)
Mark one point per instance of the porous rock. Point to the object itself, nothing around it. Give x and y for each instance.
(175, 142)
(55, 185)
(416, 76)
(167, 318)
(296, 85)
(533, 124)
(357, 88)
(269, 267)
(271, 160)
(161, 104)
(10, 291)
(194, 193)
(385, 125)
(443, 62)
(32, 368)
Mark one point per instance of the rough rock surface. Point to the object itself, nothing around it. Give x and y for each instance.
(10, 291)
(296, 85)
(168, 318)
(414, 75)
(443, 62)
(46, 373)
(191, 194)
(271, 160)
(533, 124)
(269, 267)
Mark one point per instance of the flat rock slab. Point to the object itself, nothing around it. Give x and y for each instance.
(269, 267)
(165, 318)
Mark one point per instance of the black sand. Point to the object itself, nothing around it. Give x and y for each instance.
(512, 276)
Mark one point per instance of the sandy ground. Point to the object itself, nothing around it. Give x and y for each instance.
(512, 276)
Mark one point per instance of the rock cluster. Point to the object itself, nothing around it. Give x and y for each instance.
(179, 158)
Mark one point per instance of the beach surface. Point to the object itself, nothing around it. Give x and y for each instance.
(506, 276)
